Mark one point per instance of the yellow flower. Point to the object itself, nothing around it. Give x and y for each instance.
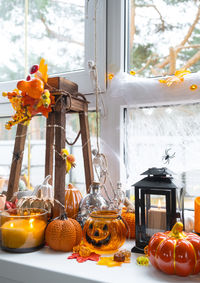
(8, 126)
(64, 153)
(177, 78)
(69, 159)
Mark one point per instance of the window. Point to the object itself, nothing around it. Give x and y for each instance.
(150, 131)
(163, 36)
(62, 32)
(130, 97)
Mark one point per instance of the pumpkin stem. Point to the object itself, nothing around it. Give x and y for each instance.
(45, 182)
(63, 216)
(177, 231)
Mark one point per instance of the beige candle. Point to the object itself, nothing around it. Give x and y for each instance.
(23, 233)
(157, 218)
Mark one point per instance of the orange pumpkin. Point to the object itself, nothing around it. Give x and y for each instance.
(63, 234)
(72, 199)
(129, 219)
(34, 88)
(175, 252)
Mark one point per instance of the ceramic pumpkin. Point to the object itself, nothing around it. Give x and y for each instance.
(175, 252)
(104, 231)
(42, 197)
(129, 219)
(63, 234)
(72, 199)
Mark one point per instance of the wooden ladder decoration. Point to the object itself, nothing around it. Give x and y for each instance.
(56, 140)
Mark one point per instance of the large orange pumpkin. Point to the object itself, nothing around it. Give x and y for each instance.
(129, 219)
(63, 234)
(72, 199)
(175, 252)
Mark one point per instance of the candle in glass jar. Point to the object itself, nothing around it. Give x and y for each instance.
(23, 233)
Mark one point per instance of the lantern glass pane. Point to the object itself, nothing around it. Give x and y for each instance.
(155, 214)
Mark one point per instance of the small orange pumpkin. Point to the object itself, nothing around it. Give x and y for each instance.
(129, 219)
(63, 234)
(72, 199)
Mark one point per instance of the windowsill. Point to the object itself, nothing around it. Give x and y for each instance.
(49, 266)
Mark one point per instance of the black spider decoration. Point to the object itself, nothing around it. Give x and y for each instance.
(166, 158)
(16, 156)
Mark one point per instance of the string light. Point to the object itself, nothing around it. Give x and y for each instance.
(193, 87)
(110, 76)
(132, 73)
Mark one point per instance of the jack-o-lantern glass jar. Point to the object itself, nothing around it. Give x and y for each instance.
(104, 231)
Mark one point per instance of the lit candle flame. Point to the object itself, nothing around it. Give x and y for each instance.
(159, 204)
(11, 225)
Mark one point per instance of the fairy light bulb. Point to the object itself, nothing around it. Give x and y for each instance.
(110, 76)
(132, 73)
(193, 87)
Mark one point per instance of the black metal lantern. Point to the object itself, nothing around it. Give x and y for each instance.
(159, 203)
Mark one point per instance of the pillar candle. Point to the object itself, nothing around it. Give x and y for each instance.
(23, 233)
(197, 214)
(157, 219)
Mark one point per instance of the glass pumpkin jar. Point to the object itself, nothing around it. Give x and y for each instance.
(104, 232)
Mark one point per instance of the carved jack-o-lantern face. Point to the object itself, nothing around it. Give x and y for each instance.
(103, 231)
(98, 234)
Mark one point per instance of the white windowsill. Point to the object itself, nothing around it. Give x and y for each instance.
(47, 266)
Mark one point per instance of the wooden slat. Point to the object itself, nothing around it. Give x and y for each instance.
(16, 165)
(86, 148)
(77, 105)
(62, 83)
(49, 146)
(60, 164)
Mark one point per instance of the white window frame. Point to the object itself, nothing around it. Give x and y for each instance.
(111, 126)
(81, 77)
